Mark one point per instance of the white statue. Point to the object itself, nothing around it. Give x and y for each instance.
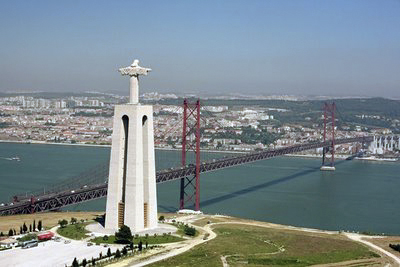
(134, 70)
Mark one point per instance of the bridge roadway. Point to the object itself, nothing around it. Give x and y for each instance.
(57, 200)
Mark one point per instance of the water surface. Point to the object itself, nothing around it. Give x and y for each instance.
(360, 196)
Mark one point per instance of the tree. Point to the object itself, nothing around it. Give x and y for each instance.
(124, 251)
(117, 254)
(124, 235)
(93, 262)
(10, 232)
(73, 220)
(62, 223)
(84, 262)
(100, 255)
(188, 230)
(75, 263)
(131, 246)
(34, 225)
(161, 218)
(20, 230)
(1, 234)
(140, 246)
(109, 252)
(30, 228)
(24, 228)
(39, 226)
(147, 244)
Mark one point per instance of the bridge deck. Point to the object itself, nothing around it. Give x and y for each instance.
(57, 200)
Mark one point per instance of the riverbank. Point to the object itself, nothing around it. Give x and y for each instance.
(260, 243)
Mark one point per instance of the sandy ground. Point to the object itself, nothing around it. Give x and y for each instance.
(51, 253)
(49, 219)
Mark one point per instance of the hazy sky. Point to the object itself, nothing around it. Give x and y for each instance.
(257, 47)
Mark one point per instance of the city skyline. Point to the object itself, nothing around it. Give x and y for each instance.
(341, 48)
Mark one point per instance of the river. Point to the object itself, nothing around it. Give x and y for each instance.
(358, 196)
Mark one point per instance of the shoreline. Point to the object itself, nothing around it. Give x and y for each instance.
(177, 216)
(35, 142)
(306, 156)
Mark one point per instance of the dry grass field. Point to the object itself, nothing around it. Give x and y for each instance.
(49, 219)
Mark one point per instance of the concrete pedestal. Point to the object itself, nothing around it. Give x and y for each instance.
(131, 197)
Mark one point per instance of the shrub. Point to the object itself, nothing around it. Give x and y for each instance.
(395, 247)
(161, 218)
(63, 223)
(124, 235)
(188, 230)
(75, 263)
(117, 254)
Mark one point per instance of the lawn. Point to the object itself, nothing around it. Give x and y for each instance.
(159, 239)
(257, 246)
(74, 231)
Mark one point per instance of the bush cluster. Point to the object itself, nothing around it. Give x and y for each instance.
(395, 247)
(117, 254)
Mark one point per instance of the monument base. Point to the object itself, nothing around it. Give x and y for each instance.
(98, 229)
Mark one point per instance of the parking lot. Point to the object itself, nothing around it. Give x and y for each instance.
(52, 253)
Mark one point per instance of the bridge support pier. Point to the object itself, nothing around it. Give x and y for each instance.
(190, 186)
(329, 111)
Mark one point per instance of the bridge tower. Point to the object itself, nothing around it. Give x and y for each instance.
(190, 186)
(131, 197)
(329, 113)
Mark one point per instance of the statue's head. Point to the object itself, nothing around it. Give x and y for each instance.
(135, 63)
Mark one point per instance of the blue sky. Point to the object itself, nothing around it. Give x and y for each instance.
(215, 47)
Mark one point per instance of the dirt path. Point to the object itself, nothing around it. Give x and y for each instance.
(359, 238)
(182, 246)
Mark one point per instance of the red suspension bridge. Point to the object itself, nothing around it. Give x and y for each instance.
(93, 183)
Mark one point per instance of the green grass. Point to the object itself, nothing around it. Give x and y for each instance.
(74, 231)
(159, 239)
(257, 246)
(27, 237)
